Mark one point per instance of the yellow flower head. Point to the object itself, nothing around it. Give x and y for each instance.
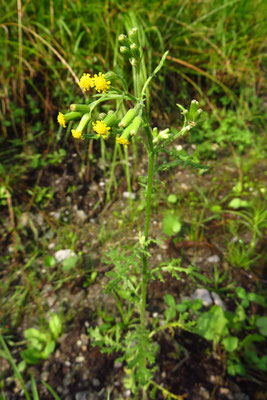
(101, 128)
(122, 141)
(101, 84)
(61, 120)
(76, 134)
(86, 82)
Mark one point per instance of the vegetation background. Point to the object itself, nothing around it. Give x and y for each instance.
(52, 188)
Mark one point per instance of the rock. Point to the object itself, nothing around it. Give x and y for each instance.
(204, 295)
(128, 195)
(217, 300)
(213, 259)
(62, 255)
(81, 216)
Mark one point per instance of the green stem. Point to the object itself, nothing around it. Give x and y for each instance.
(149, 188)
(128, 178)
(112, 176)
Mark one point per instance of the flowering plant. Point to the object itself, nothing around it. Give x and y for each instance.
(132, 337)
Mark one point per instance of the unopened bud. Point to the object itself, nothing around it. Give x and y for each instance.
(102, 115)
(128, 117)
(135, 50)
(111, 119)
(133, 35)
(135, 125)
(126, 52)
(124, 40)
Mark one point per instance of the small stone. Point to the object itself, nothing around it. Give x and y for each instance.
(213, 259)
(96, 382)
(204, 295)
(118, 365)
(62, 255)
(217, 300)
(81, 216)
(80, 359)
(128, 195)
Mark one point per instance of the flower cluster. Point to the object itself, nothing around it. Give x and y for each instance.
(98, 82)
(124, 128)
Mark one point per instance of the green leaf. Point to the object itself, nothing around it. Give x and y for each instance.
(172, 198)
(238, 203)
(230, 343)
(49, 261)
(33, 333)
(171, 225)
(262, 325)
(69, 263)
(212, 325)
(49, 348)
(169, 300)
(55, 326)
(31, 356)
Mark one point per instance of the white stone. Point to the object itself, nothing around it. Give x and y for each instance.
(80, 216)
(62, 255)
(204, 295)
(217, 300)
(213, 259)
(127, 195)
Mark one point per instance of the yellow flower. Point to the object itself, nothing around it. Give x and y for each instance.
(76, 134)
(101, 84)
(61, 120)
(122, 141)
(101, 128)
(86, 82)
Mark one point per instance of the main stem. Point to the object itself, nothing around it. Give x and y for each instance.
(147, 222)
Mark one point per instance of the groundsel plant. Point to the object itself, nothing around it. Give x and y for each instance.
(132, 337)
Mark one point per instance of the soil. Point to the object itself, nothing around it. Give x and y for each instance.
(187, 364)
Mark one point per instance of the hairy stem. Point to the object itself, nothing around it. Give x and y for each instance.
(149, 189)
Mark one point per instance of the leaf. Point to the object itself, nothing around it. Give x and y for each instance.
(49, 348)
(32, 333)
(230, 343)
(31, 356)
(69, 263)
(262, 325)
(171, 225)
(169, 300)
(49, 261)
(238, 203)
(55, 326)
(212, 325)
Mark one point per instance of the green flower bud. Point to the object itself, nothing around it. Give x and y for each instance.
(135, 50)
(111, 119)
(155, 132)
(133, 35)
(128, 117)
(102, 115)
(126, 52)
(133, 62)
(135, 125)
(193, 110)
(124, 40)
(83, 108)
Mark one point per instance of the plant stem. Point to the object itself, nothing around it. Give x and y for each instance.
(149, 188)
